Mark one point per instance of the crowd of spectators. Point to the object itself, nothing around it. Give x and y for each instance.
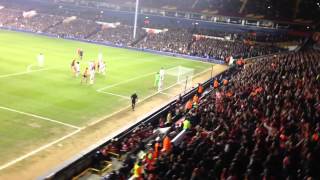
(307, 9)
(173, 40)
(121, 35)
(259, 121)
(219, 49)
(77, 28)
(38, 23)
(216, 46)
(8, 16)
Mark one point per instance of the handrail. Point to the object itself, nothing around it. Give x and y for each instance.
(84, 172)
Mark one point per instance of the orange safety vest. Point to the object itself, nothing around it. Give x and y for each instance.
(156, 151)
(200, 89)
(166, 144)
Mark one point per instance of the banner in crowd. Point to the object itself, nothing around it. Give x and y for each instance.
(154, 31)
(69, 19)
(106, 25)
(200, 36)
(29, 14)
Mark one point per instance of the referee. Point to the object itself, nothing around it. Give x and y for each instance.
(134, 98)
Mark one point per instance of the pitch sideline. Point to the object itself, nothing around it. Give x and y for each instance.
(78, 129)
(39, 117)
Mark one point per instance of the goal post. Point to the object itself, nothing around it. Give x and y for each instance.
(179, 75)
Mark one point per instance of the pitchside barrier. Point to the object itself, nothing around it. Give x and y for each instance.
(106, 43)
(85, 159)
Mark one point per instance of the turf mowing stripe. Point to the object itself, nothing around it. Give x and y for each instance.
(38, 150)
(39, 117)
(118, 95)
(24, 72)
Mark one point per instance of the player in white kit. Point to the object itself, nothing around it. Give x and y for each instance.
(40, 60)
(77, 68)
(162, 73)
(91, 71)
(100, 57)
(102, 68)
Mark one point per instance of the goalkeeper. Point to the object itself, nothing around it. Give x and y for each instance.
(157, 81)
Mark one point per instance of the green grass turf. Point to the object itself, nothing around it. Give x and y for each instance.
(56, 94)
(18, 132)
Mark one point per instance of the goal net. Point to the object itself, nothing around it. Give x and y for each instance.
(179, 75)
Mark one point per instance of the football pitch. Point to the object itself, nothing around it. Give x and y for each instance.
(39, 106)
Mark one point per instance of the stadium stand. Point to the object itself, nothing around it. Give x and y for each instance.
(197, 42)
(9, 16)
(38, 23)
(120, 35)
(185, 42)
(255, 9)
(74, 28)
(258, 122)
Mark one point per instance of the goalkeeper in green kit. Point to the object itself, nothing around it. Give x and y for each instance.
(157, 80)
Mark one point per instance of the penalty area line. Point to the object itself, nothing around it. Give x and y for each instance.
(24, 72)
(123, 82)
(10, 163)
(118, 95)
(39, 117)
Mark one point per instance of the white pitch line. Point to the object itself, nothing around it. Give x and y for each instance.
(139, 101)
(128, 80)
(167, 94)
(118, 95)
(29, 68)
(21, 73)
(38, 150)
(39, 117)
(123, 82)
